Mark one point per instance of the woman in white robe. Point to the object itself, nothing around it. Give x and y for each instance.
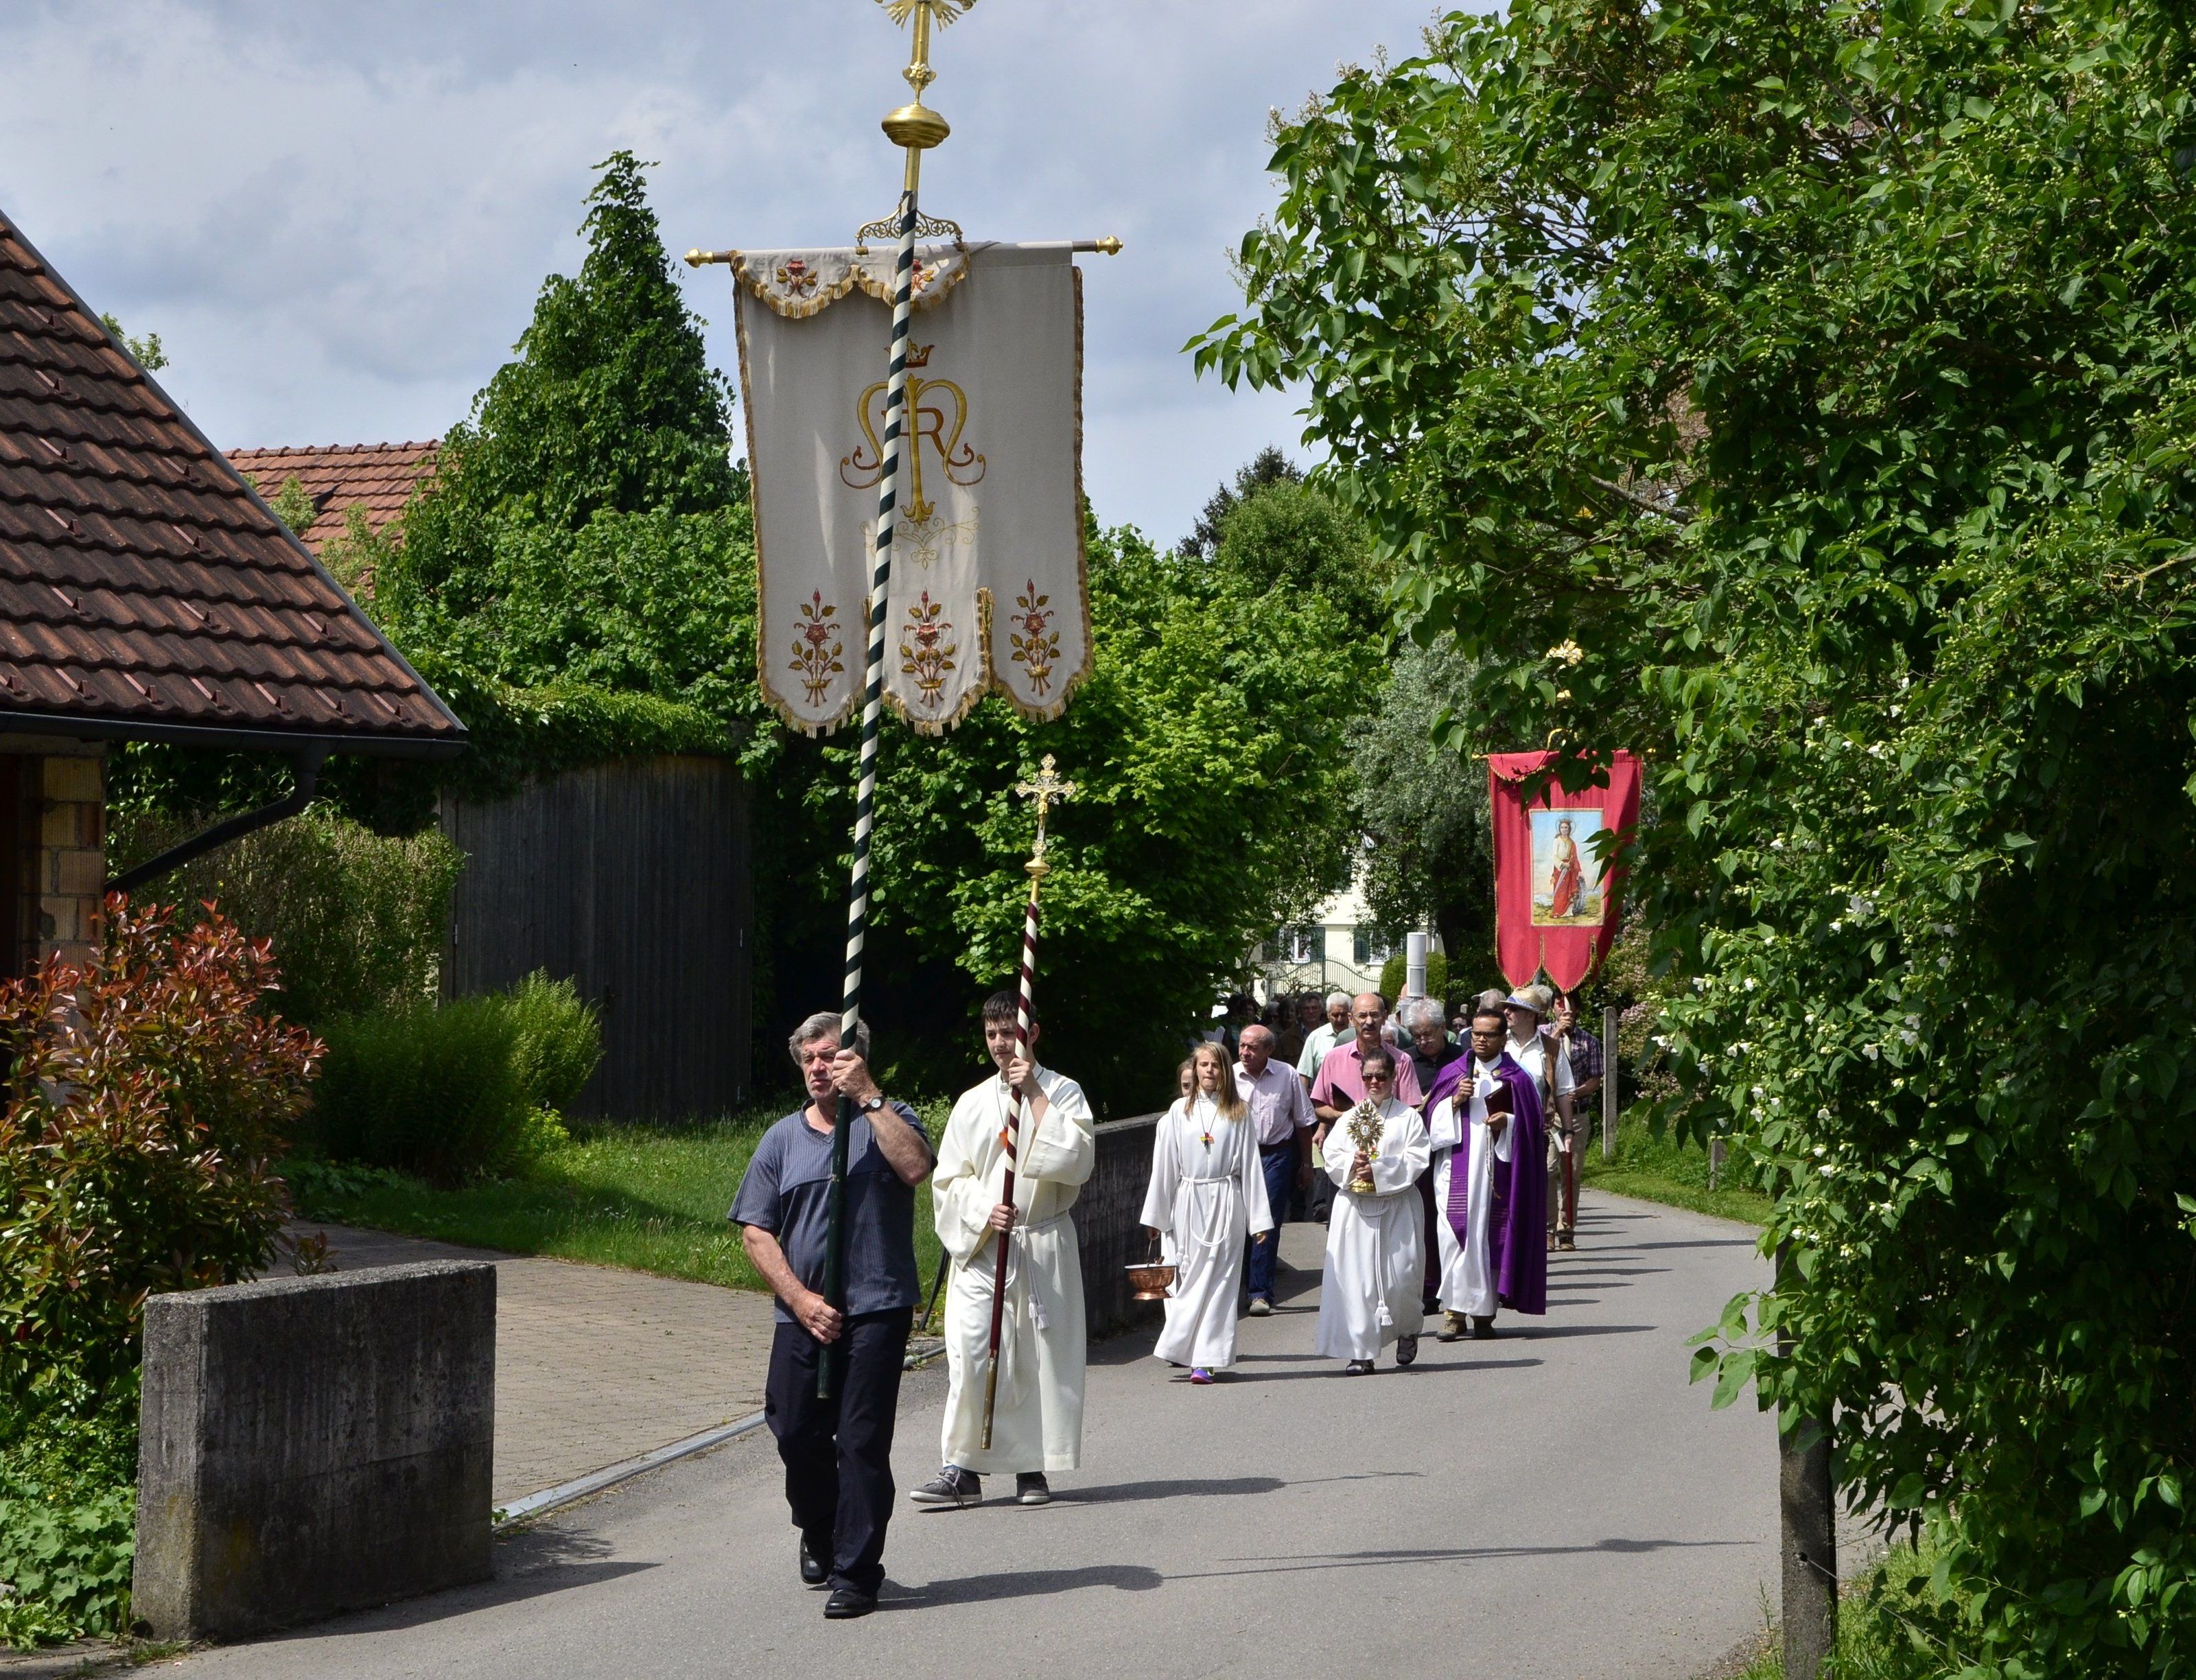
(1372, 1293)
(1207, 1194)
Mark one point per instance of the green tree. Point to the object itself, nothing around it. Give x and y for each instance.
(1429, 856)
(611, 404)
(1214, 805)
(1268, 467)
(1802, 392)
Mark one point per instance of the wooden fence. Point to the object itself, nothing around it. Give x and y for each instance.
(632, 879)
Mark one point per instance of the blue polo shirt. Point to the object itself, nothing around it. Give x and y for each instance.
(787, 1192)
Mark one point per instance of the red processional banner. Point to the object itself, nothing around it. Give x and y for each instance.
(1554, 912)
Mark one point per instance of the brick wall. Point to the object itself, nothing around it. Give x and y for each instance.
(69, 857)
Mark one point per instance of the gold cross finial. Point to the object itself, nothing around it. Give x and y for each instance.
(1047, 789)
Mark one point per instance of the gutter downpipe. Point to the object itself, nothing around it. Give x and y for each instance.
(308, 769)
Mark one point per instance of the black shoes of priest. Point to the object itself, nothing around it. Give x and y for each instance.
(814, 1572)
(845, 1604)
(1030, 1488)
(1358, 1368)
(1407, 1350)
(1483, 1329)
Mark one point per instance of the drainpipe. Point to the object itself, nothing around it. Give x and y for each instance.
(308, 764)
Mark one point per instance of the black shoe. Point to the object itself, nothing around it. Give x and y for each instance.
(950, 1489)
(1030, 1488)
(1483, 1329)
(845, 1604)
(813, 1572)
(1358, 1368)
(1407, 1350)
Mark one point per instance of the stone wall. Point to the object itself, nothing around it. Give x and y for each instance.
(314, 1444)
(1108, 1232)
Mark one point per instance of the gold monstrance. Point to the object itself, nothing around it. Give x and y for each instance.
(1365, 1128)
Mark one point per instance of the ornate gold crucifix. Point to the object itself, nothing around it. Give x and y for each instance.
(1047, 789)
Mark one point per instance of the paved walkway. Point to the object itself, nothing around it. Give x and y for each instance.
(594, 1365)
(1558, 1503)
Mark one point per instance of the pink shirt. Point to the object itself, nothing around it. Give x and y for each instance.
(1278, 1102)
(1340, 1085)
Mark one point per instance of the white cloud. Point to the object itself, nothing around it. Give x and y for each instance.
(335, 216)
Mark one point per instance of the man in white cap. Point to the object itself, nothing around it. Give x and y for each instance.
(1523, 1011)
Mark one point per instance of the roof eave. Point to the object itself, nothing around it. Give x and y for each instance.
(236, 738)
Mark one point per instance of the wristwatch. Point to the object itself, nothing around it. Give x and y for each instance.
(871, 1104)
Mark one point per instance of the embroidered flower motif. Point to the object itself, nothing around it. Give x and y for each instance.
(924, 653)
(796, 279)
(1035, 649)
(816, 648)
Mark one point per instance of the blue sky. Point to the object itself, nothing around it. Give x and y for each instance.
(336, 214)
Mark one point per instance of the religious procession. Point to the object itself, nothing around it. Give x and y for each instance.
(1374, 857)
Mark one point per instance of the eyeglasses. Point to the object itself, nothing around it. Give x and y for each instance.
(1379, 1078)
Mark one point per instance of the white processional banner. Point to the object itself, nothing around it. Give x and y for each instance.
(988, 590)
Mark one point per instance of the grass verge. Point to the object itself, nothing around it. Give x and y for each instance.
(1662, 1169)
(650, 1198)
(1889, 1628)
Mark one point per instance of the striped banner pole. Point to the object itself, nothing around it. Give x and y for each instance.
(1047, 789)
(865, 787)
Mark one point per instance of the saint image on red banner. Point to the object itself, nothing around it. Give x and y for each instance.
(1554, 913)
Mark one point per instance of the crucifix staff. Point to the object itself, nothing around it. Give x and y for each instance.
(1047, 789)
(916, 128)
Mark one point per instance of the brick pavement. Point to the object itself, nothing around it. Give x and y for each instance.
(594, 1365)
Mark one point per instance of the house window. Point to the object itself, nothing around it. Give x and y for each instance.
(1371, 945)
(1305, 944)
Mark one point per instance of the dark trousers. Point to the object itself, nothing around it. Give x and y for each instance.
(1432, 1231)
(1279, 1163)
(1318, 1200)
(838, 1452)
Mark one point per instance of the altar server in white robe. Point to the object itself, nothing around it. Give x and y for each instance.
(1038, 1420)
(1208, 1191)
(1373, 1292)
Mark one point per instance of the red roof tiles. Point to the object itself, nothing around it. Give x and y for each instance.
(144, 590)
(377, 478)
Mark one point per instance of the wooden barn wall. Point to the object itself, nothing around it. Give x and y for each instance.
(632, 879)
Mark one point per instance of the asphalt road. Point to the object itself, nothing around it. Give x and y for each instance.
(1558, 1502)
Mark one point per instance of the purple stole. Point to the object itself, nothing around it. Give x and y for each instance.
(1517, 1214)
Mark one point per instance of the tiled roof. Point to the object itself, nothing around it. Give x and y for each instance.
(377, 477)
(145, 591)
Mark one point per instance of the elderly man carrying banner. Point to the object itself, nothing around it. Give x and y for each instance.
(1487, 1169)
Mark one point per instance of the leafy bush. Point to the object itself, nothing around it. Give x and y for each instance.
(1396, 971)
(434, 1091)
(147, 1103)
(68, 1502)
(464, 1091)
(559, 1042)
(359, 917)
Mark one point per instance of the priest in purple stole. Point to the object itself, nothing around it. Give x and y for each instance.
(1489, 1174)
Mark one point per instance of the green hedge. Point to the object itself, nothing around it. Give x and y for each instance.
(472, 1089)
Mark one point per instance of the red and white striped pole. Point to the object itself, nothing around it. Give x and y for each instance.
(1046, 790)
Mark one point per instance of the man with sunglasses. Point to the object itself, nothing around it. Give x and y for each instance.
(1370, 1295)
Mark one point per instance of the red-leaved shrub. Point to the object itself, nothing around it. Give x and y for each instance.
(149, 1102)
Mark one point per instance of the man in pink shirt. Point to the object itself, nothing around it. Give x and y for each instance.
(1339, 1085)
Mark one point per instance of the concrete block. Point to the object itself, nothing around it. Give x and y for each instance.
(73, 778)
(80, 871)
(314, 1444)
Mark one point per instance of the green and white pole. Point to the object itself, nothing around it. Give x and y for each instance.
(917, 129)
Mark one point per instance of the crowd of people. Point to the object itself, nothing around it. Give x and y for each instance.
(1430, 1160)
(1441, 1155)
